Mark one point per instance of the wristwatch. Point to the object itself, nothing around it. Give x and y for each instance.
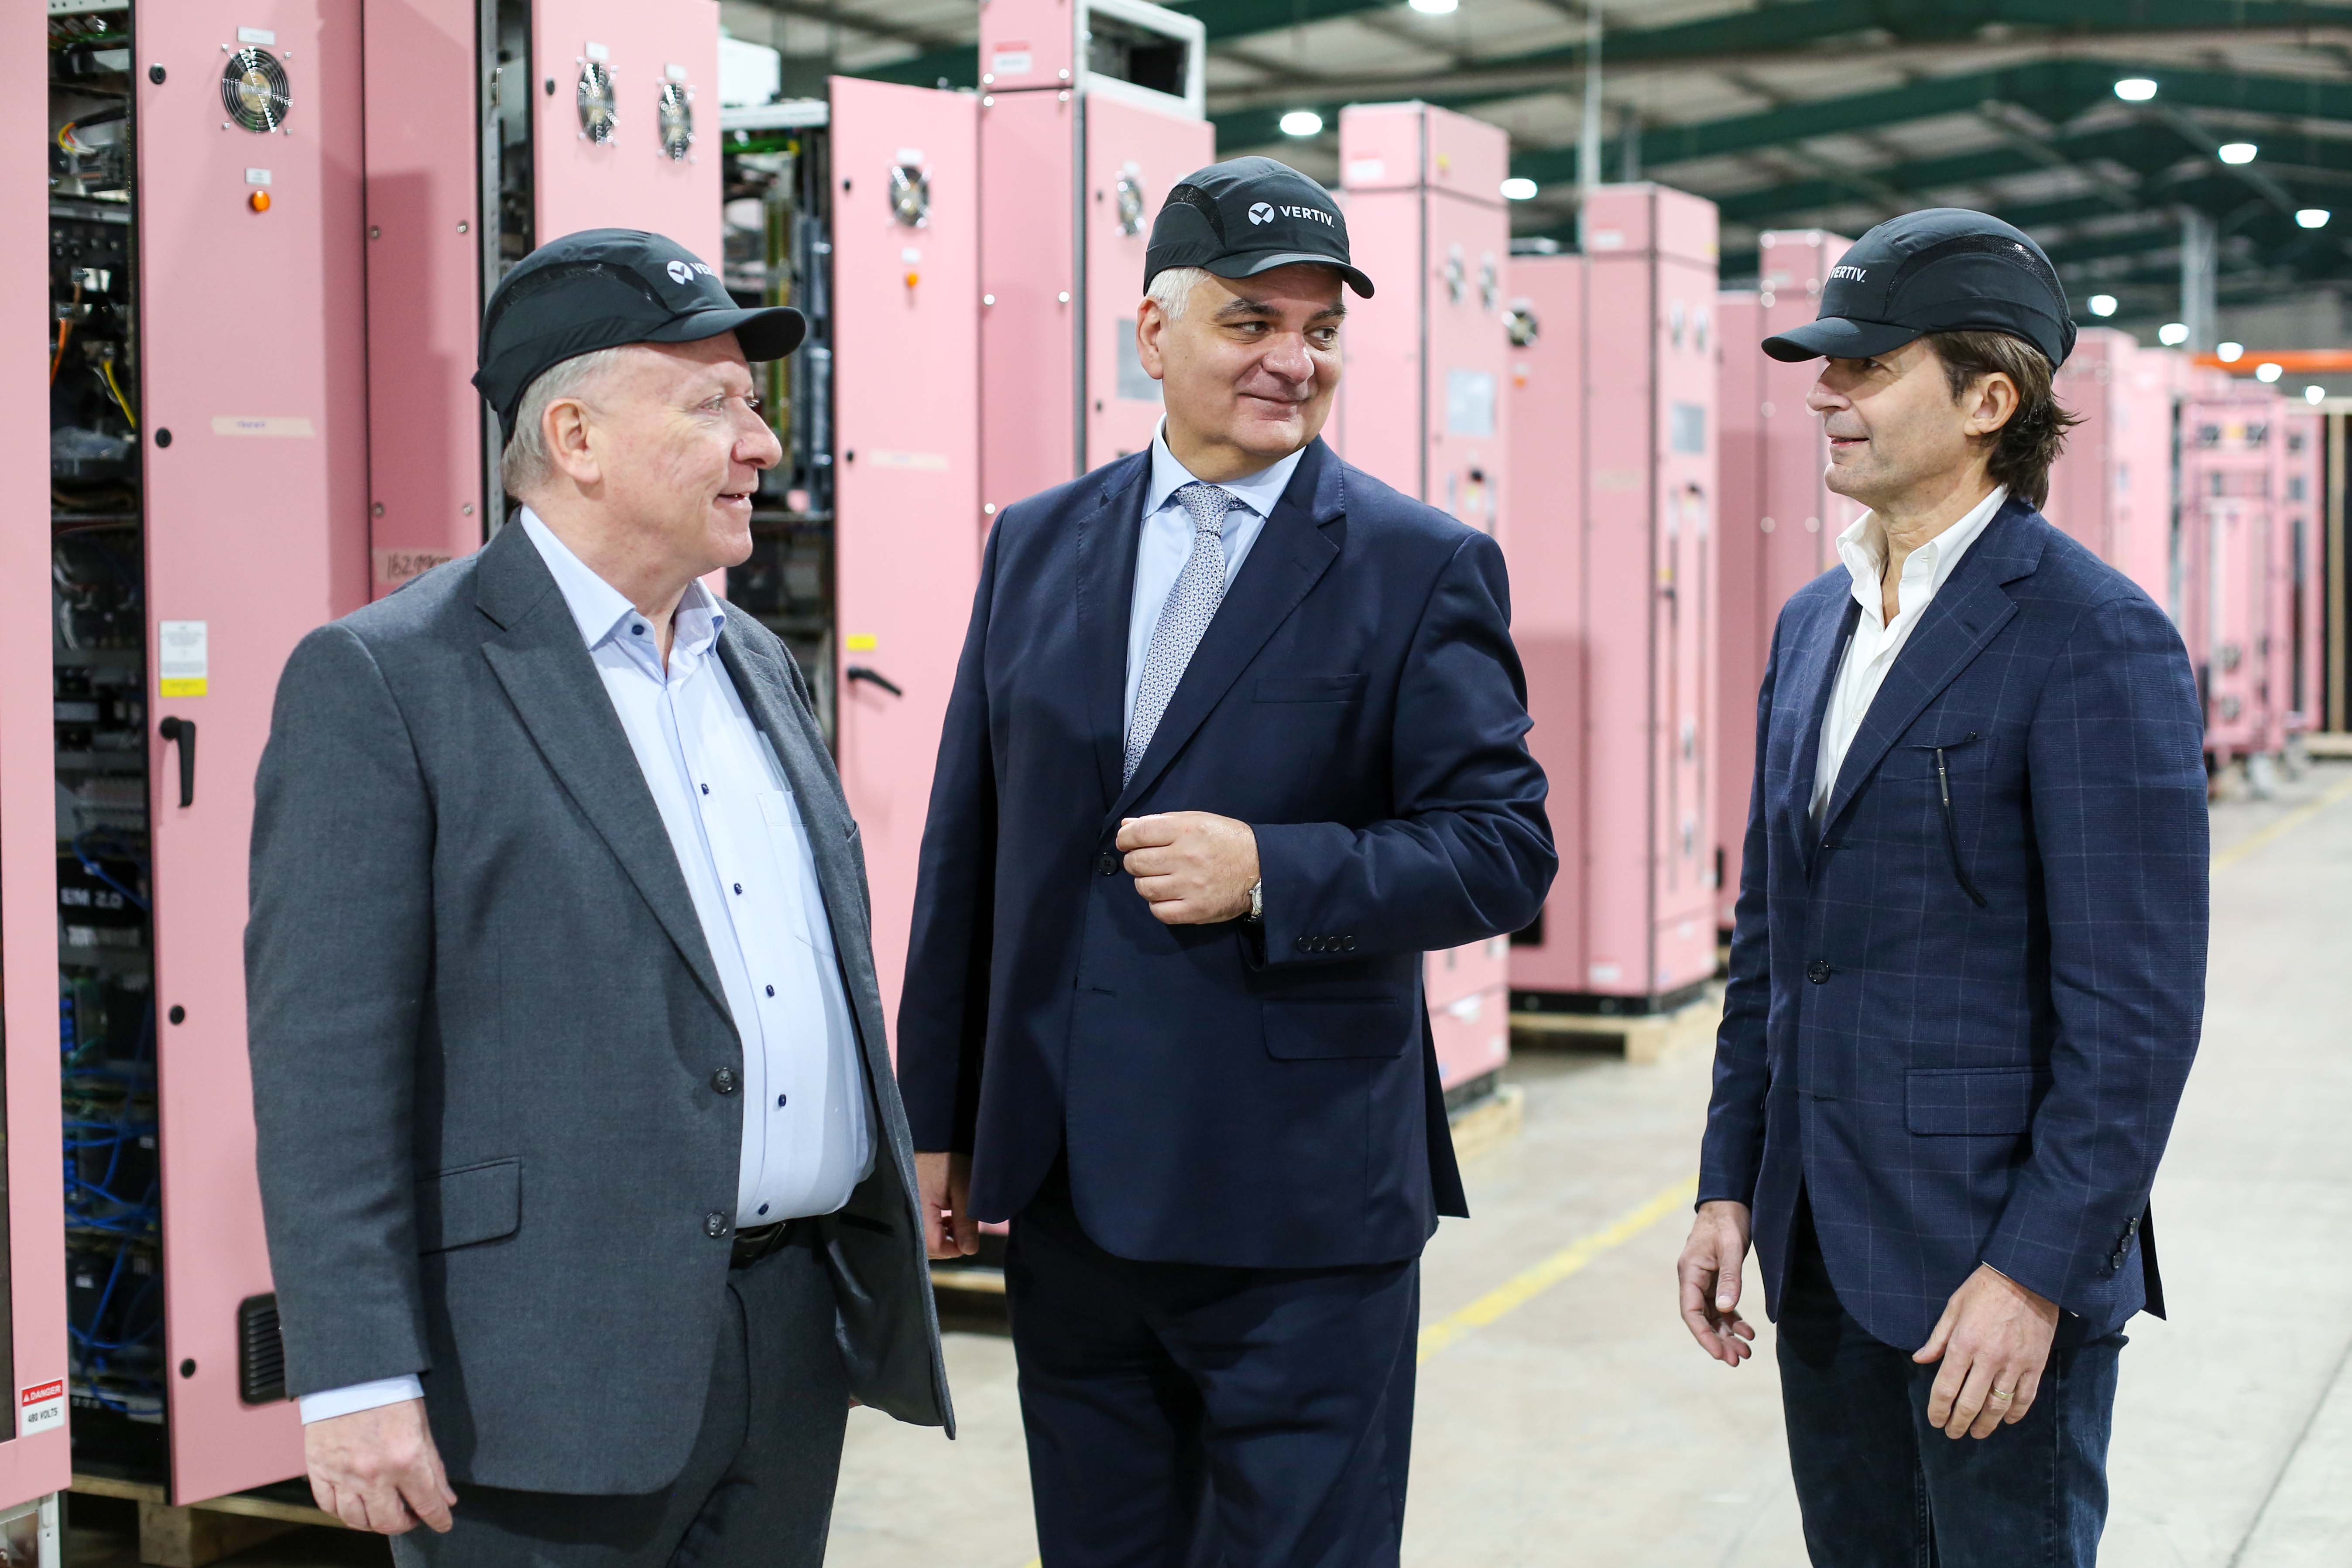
(1257, 902)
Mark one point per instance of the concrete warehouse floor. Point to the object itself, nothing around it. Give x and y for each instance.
(1569, 1420)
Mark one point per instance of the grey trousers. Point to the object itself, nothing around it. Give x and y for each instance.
(756, 1490)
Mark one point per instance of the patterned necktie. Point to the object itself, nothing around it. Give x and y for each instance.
(1192, 605)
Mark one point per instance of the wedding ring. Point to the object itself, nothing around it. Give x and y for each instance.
(2001, 1395)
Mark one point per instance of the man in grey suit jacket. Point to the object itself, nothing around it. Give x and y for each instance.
(587, 1184)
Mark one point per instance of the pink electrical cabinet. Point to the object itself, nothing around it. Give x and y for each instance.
(1090, 111)
(2231, 443)
(1642, 935)
(1423, 402)
(1780, 521)
(2298, 648)
(2111, 489)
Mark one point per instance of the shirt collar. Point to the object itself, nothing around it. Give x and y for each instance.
(1863, 549)
(1258, 491)
(600, 610)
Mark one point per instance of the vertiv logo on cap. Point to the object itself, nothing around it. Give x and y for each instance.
(680, 273)
(1851, 274)
(1261, 212)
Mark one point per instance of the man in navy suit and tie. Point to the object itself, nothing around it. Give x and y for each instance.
(1238, 733)
(1968, 970)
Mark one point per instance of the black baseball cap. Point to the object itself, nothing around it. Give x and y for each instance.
(1248, 215)
(599, 289)
(1944, 269)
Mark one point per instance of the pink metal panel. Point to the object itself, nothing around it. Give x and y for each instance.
(1028, 287)
(1027, 43)
(267, 449)
(2112, 489)
(1130, 149)
(425, 433)
(2305, 608)
(31, 1465)
(2145, 482)
(906, 559)
(1546, 424)
(1472, 1033)
(1382, 147)
(1650, 563)
(2229, 454)
(629, 180)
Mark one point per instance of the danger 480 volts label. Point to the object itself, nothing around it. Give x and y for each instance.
(41, 1407)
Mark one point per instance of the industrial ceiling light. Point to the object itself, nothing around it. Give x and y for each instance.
(2315, 395)
(1434, 7)
(1302, 123)
(2237, 151)
(2102, 304)
(2228, 353)
(2136, 89)
(2268, 371)
(1518, 190)
(2172, 334)
(2313, 217)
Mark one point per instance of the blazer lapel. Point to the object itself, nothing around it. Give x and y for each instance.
(1816, 672)
(1966, 614)
(1290, 557)
(553, 684)
(1107, 541)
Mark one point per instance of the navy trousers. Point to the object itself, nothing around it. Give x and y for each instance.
(1879, 1488)
(1185, 1415)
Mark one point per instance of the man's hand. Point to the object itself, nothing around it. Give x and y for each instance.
(1993, 1340)
(378, 1470)
(1709, 1273)
(944, 1201)
(1196, 869)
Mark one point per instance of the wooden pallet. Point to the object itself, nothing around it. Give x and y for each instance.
(194, 1534)
(1642, 1039)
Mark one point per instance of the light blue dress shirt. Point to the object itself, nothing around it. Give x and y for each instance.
(808, 1136)
(1167, 542)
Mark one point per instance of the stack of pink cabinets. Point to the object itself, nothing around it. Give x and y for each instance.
(206, 504)
(1090, 111)
(2299, 596)
(1421, 406)
(1630, 926)
(2112, 489)
(2231, 450)
(1780, 521)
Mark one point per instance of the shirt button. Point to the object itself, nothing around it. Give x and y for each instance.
(1818, 971)
(739, 887)
(763, 1209)
(771, 990)
(715, 1225)
(1108, 864)
(705, 789)
(780, 1102)
(723, 1081)
(637, 630)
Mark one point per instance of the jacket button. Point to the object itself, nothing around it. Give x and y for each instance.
(1108, 864)
(1347, 943)
(1818, 971)
(1305, 944)
(723, 1081)
(715, 1225)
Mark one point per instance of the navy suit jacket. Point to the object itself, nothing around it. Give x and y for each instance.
(1226, 1094)
(1963, 1030)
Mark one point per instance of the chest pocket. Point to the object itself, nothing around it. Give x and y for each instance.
(1346, 688)
(1966, 752)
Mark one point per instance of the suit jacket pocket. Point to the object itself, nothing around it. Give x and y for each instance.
(1310, 688)
(1300, 1030)
(1971, 1101)
(470, 1204)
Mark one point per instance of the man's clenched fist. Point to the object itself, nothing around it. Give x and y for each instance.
(1195, 869)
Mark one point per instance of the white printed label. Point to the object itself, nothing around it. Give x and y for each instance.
(1011, 62)
(1606, 974)
(1605, 239)
(256, 176)
(261, 424)
(256, 36)
(912, 157)
(674, 71)
(922, 462)
(1367, 172)
(41, 1407)
(183, 658)
(598, 52)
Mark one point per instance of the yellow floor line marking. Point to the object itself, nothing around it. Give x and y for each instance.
(2284, 825)
(1517, 1292)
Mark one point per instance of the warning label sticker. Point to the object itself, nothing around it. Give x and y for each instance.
(183, 661)
(41, 1407)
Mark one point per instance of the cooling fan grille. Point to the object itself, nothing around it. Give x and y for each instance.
(599, 105)
(254, 90)
(675, 120)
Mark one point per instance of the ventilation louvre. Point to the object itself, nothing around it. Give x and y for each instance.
(260, 1351)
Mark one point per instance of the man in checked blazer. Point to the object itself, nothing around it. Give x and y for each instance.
(1969, 964)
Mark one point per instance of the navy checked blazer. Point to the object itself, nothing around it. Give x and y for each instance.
(1962, 1011)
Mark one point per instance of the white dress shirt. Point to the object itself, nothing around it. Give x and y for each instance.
(1877, 642)
(743, 849)
(1167, 542)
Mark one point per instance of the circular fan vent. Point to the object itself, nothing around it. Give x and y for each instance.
(1131, 203)
(910, 196)
(598, 105)
(254, 90)
(675, 117)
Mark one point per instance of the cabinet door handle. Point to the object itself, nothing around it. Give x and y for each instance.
(860, 673)
(182, 731)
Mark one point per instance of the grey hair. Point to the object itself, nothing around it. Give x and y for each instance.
(523, 466)
(1171, 289)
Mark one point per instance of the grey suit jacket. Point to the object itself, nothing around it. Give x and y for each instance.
(484, 1024)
